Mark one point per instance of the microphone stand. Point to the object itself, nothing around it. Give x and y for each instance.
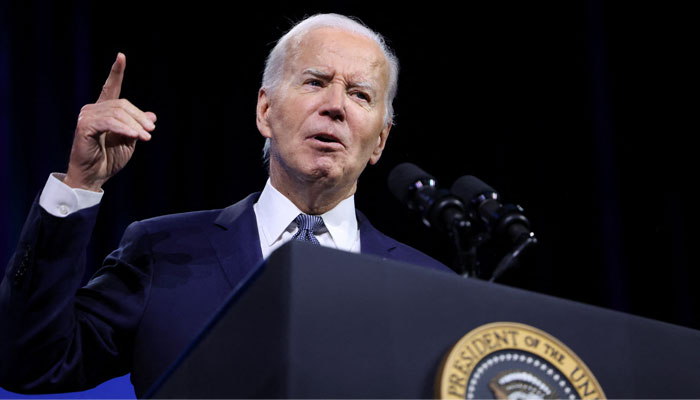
(511, 224)
(511, 259)
(466, 255)
(447, 212)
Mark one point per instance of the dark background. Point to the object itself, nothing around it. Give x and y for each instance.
(577, 110)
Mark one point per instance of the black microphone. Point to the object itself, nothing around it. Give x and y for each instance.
(483, 203)
(420, 192)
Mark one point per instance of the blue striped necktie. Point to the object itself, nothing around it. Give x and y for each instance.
(307, 225)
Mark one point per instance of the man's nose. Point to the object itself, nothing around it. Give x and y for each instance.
(334, 103)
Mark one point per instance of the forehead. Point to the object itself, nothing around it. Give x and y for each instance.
(341, 52)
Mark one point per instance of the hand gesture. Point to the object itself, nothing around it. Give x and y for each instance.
(106, 134)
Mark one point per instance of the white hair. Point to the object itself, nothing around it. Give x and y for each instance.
(274, 65)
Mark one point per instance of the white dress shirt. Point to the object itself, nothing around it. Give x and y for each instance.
(274, 214)
(275, 217)
(60, 200)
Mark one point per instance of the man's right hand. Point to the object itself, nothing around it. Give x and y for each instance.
(106, 134)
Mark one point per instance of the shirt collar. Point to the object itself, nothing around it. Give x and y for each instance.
(276, 213)
(341, 223)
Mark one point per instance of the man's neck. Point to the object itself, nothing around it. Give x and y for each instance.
(313, 198)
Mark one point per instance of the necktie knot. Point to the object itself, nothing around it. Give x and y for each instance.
(307, 225)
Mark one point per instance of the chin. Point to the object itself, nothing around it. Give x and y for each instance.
(324, 168)
(325, 173)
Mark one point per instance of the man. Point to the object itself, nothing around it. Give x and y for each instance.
(324, 106)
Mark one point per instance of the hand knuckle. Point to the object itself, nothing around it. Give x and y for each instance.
(84, 123)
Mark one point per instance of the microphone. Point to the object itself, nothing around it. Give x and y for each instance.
(419, 191)
(483, 203)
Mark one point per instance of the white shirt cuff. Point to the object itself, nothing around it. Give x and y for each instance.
(60, 200)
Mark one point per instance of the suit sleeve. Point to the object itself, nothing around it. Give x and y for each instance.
(55, 336)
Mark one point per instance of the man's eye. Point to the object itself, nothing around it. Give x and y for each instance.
(362, 96)
(314, 82)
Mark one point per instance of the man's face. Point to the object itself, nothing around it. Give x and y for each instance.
(325, 120)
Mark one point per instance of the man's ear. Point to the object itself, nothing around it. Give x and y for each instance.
(262, 113)
(381, 142)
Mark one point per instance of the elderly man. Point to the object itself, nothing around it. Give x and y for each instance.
(325, 109)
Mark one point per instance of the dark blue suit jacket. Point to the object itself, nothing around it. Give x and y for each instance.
(150, 299)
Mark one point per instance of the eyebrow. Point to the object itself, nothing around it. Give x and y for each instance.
(316, 72)
(324, 75)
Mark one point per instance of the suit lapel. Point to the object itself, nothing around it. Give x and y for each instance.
(236, 241)
(371, 240)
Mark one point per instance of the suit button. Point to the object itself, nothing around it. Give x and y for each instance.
(22, 267)
(19, 277)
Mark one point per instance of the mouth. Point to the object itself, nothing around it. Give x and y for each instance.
(326, 139)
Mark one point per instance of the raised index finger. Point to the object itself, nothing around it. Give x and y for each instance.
(113, 85)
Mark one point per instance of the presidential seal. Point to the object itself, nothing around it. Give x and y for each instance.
(508, 360)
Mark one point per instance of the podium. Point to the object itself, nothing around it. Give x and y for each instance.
(314, 322)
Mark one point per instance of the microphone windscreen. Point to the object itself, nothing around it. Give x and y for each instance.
(468, 187)
(402, 178)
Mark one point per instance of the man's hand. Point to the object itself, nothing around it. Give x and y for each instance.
(106, 134)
